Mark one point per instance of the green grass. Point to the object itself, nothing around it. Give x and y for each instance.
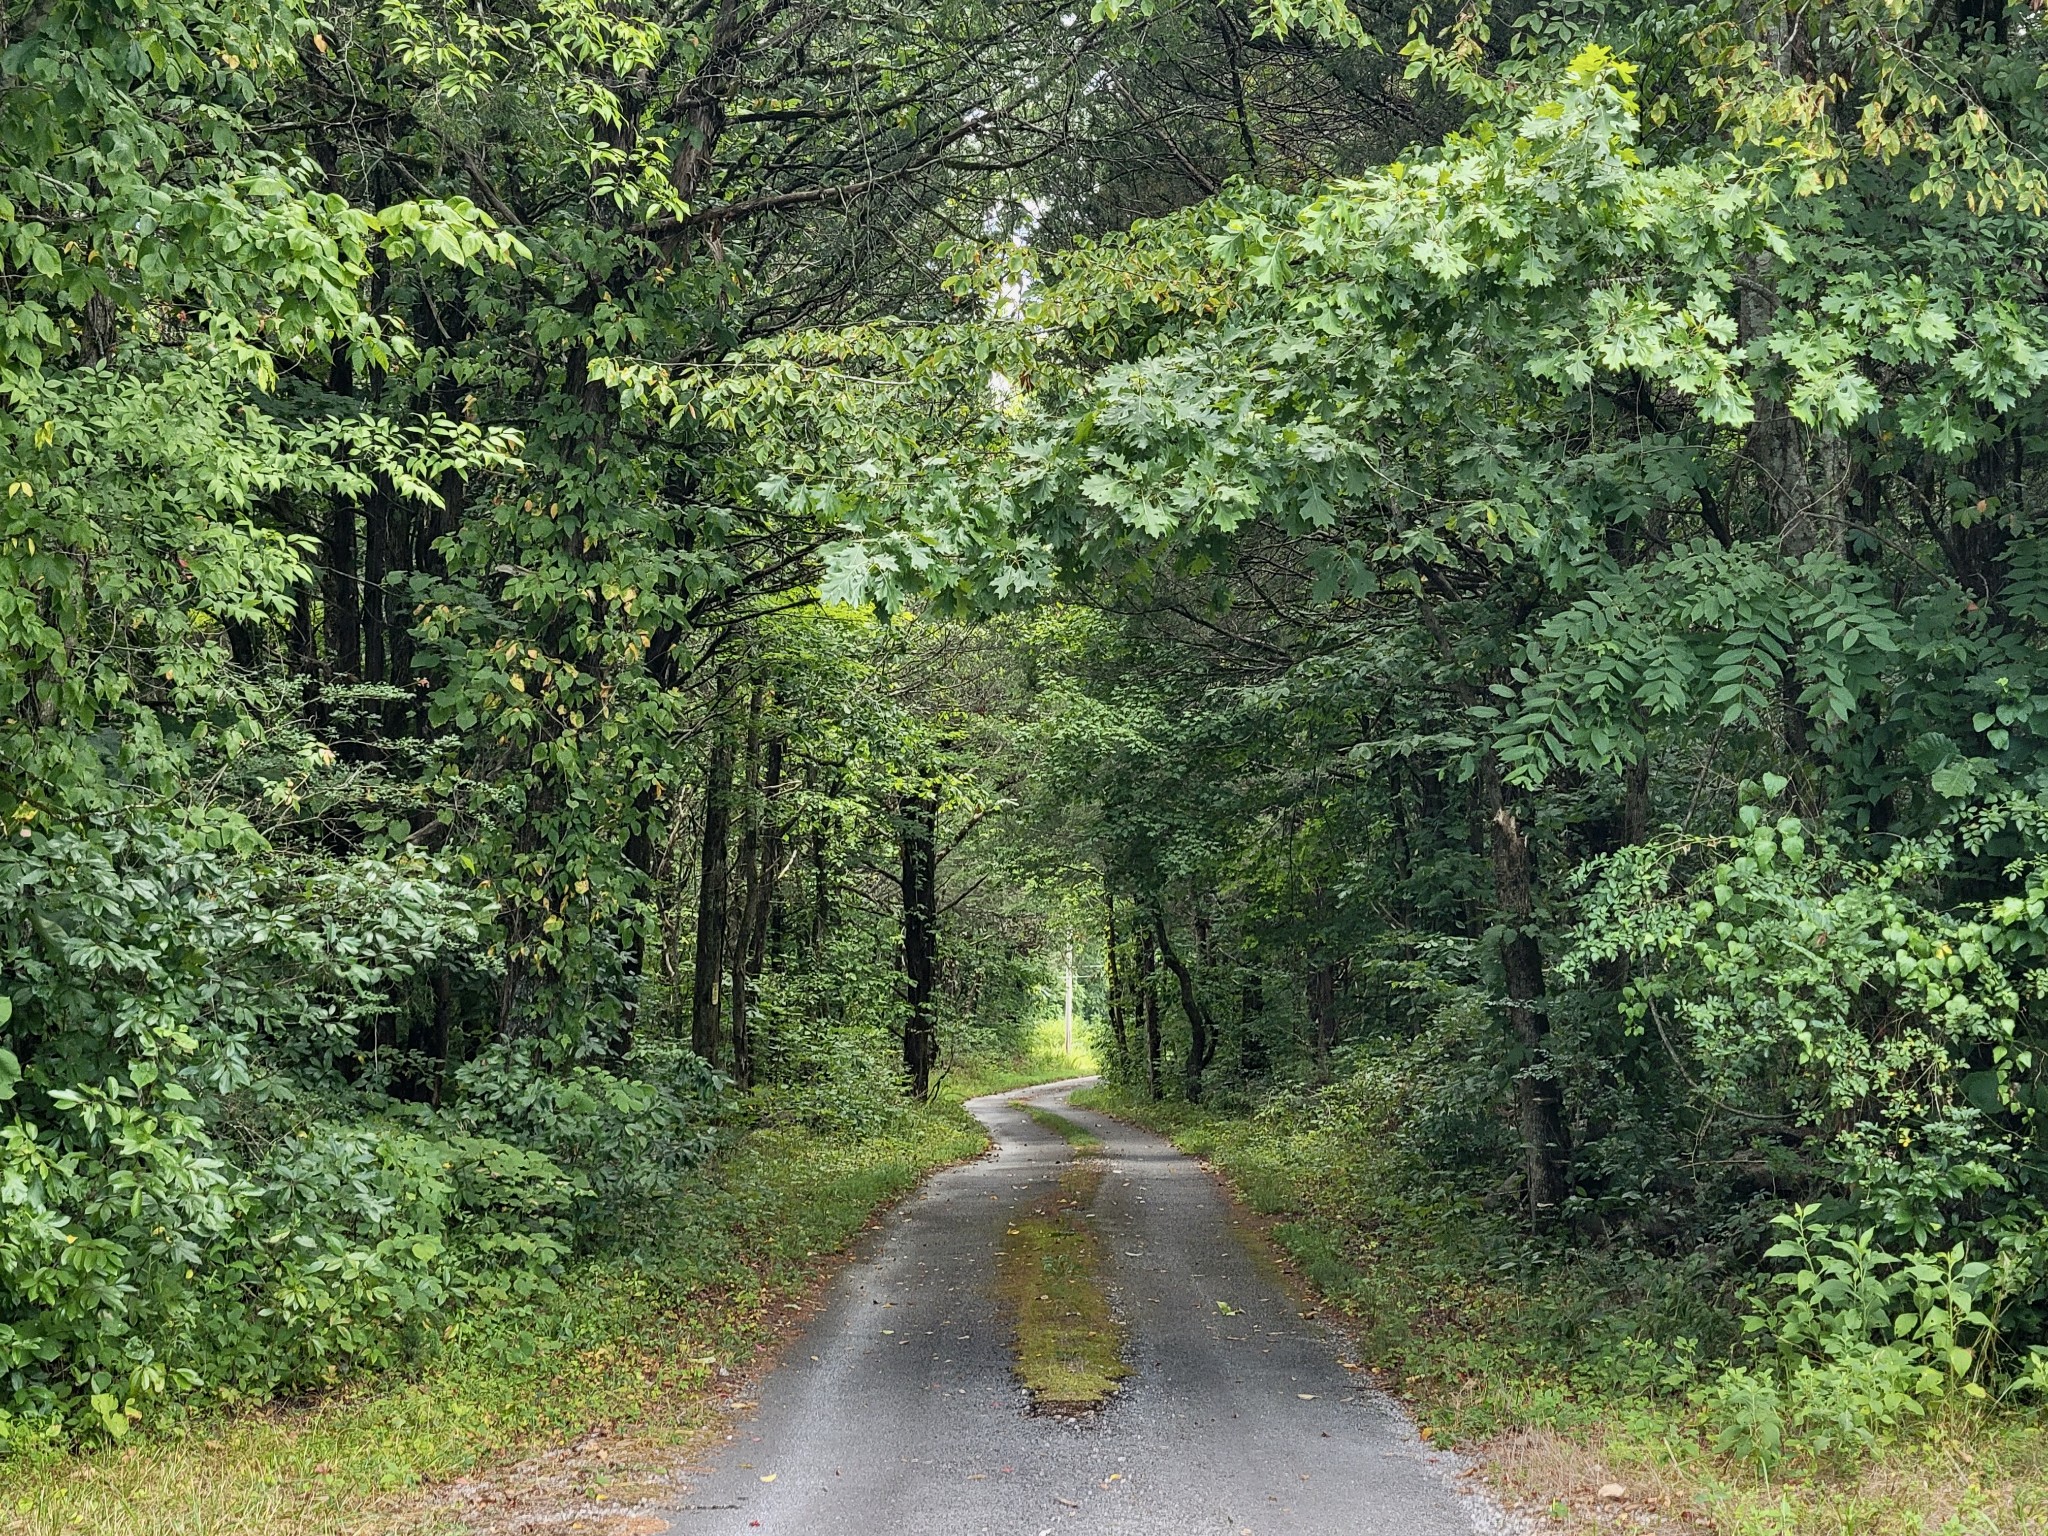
(1043, 1059)
(1548, 1369)
(634, 1347)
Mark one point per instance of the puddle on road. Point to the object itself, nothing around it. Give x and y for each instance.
(1052, 1279)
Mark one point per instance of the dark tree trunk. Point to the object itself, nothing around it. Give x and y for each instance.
(444, 1029)
(1119, 1030)
(713, 889)
(377, 513)
(1148, 1009)
(1539, 1098)
(1201, 1028)
(773, 920)
(1251, 1023)
(1322, 1011)
(748, 874)
(919, 836)
(242, 644)
(1977, 553)
(339, 594)
(1635, 802)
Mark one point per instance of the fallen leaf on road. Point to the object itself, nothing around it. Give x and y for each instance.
(769, 1477)
(1226, 1309)
(1306, 1397)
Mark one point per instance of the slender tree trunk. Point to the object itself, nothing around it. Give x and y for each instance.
(773, 919)
(1322, 1012)
(1251, 1016)
(376, 566)
(1119, 1033)
(920, 817)
(713, 882)
(747, 875)
(821, 883)
(1067, 1012)
(1201, 1029)
(444, 1029)
(340, 595)
(1635, 802)
(1538, 1094)
(1148, 1010)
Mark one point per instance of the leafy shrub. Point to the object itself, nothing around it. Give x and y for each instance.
(623, 1140)
(1792, 984)
(158, 970)
(362, 1237)
(1859, 1341)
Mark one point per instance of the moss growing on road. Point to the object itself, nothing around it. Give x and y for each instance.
(1079, 1137)
(1052, 1278)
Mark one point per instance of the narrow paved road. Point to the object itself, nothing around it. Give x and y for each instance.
(898, 1414)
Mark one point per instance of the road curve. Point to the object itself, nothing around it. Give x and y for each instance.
(898, 1415)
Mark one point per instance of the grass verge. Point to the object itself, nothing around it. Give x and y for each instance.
(630, 1360)
(1051, 1277)
(1548, 1371)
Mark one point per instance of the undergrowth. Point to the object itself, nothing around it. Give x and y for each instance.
(631, 1342)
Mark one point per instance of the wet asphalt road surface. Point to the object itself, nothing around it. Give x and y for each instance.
(898, 1414)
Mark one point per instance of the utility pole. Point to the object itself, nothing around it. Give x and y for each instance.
(1070, 994)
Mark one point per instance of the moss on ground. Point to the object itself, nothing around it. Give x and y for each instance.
(1079, 1137)
(1052, 1278)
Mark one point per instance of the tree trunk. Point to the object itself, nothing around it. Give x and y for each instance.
(772, 921)
(1148, 1010)
(747, 875)
(1322, 1011)
(376, 566)
(1119, 1032)
(821, 873)
(1251, 1016)
(339, 595)
(919, 835)
(1539, 1100)
(1635, 802)
(1201, 1029)
(713, 881)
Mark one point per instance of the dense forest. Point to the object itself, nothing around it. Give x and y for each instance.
(578, 571)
